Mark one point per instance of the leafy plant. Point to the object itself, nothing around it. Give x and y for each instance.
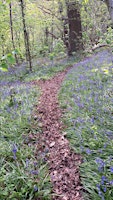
(86, 96)
(7, 61)
(23, 175)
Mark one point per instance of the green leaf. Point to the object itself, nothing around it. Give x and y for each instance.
(4, 65)
(15, 52)
(3, 69)
(8, 1)
(10, 59)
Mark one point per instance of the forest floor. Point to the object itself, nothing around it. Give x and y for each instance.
(64, 127)
(63, 163)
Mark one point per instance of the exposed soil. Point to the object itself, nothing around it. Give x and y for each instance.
(63, 162)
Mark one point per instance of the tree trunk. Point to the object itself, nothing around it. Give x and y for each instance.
(52, 28)
(110, 8)
(3, 42)
(75, 28)
(46, 36)
(3, 52)
(12, 34)
(26, 38)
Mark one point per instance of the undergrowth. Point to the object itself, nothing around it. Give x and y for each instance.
(23, 175)
(42, 69)
(87, 97)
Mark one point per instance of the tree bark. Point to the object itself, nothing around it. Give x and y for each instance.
(26, 38)
(12, 34)
(110, 8)
(75, 28)
(52, 29)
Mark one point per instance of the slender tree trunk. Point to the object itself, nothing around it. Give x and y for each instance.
(46, 36)
(17, 34)
(3, 41)
(52, 29)
(3, 52)
(12, 34)
(26, 38)
(66, 33)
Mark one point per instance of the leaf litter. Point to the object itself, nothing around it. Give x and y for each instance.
(62, 161)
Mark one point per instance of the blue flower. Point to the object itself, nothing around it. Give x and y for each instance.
(111, 182)
(34, 172)
(14, 150)
(27, 162)
(104, 178)
(88, 151)
(101, 164)
(111, 169)
(35, 188)
(104, 189)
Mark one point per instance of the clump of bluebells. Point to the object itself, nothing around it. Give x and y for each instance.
(23, 175)
(87, 95)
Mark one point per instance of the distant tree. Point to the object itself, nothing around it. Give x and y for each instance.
(26, 38)
(12, 34)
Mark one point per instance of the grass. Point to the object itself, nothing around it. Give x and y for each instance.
(87, 97)
(23, 175)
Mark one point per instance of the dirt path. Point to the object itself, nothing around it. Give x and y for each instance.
(63, 163)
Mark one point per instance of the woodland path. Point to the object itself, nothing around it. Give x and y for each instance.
(63, 163)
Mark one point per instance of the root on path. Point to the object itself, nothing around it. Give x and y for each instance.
(63, 162)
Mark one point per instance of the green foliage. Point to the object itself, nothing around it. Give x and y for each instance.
(7, 61)
(95, 23)
(86, 94)
(94, 16)
(58, 47)
(23, 175)
(43, 51)
(20, 167)
(107, 37)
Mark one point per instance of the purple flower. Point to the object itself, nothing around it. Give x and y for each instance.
(88, 151)
(100, 151)
(35, 188)
(14, 150)
(110, 158)
(27, 162)
(35, 164)
(111, 169)
(34, 172)
(81, 148)
(111, 182)
(103, 180)
(80, 105)
(104, 189)
(101, 164)
(100, 192)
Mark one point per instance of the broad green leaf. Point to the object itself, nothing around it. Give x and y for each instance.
(4, 65)
(3, 69)
(10, 59)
